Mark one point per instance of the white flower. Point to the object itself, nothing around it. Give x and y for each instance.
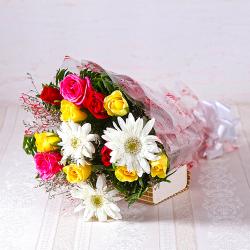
(97, 202)
(131, 144)
(76, 142)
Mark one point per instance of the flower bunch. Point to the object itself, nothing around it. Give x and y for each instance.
(105, 146)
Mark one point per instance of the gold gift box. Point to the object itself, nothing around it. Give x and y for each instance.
(179, 182)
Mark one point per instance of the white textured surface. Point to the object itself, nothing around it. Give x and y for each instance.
(204, 43)
(214, 214)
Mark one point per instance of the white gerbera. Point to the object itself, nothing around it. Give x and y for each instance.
(97, 202)
(131, 144)
(76, 142)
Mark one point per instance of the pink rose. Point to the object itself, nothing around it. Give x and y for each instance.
(47, 164)
(75, 89)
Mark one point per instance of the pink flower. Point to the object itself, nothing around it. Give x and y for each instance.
(47, 164)
(75, 89)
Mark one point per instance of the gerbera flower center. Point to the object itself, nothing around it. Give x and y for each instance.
(133, 145)
(97, 200)
(75, 142)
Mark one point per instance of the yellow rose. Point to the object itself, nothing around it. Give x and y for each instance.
(71, 112)
(46, 141)
(122, 174)
(159, 167)
(115, 104)
(77, 173)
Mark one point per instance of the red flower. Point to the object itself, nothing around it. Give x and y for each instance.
(51, 95)
(105, 152)
(95, 105)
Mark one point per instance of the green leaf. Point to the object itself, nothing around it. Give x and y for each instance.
(101, 82)
(29, 145)
(60, 75)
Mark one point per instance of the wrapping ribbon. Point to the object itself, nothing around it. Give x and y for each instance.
(220, 128)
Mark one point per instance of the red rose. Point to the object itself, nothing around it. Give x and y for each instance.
(51, 95)
(105, 152)
(95, 105)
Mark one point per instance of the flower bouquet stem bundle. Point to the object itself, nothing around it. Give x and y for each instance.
(100, 137)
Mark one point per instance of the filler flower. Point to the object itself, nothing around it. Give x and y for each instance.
(116, 104)
(75, 89)
(131, 144)
(76, 142)
(47, 164)
(97, 202)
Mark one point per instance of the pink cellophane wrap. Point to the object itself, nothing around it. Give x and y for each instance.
(189, 128)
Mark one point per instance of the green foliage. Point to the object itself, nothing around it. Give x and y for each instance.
(29, 145)
(132, 191)
(101, 82)
(60, 75)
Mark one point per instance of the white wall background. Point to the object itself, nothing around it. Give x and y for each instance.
(203, 43)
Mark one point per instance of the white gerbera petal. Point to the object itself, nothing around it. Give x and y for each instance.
(113, 212)
(76, 193)
(115, 126)
(85, 152)
(151, 157)
(113, 192)
(79, 208)
(92, 137)
(101, 182)
(88, 213)
(145, 165)
(82, 191)
(151, 138)
(114, 207)
(101, 215)
(139, 126)
(148, 127)
(139, 172)
(86, 128)
(121, 123)
(131, 118)
(90, 147)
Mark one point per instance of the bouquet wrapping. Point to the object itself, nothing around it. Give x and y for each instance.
(100, 136)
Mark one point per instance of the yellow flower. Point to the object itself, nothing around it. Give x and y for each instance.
(115, 104)
(77, 173)
(46, 141)
(159, 167)
(71, 112)
(122, 174)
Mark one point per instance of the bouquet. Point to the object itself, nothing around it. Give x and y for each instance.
(101, 137)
